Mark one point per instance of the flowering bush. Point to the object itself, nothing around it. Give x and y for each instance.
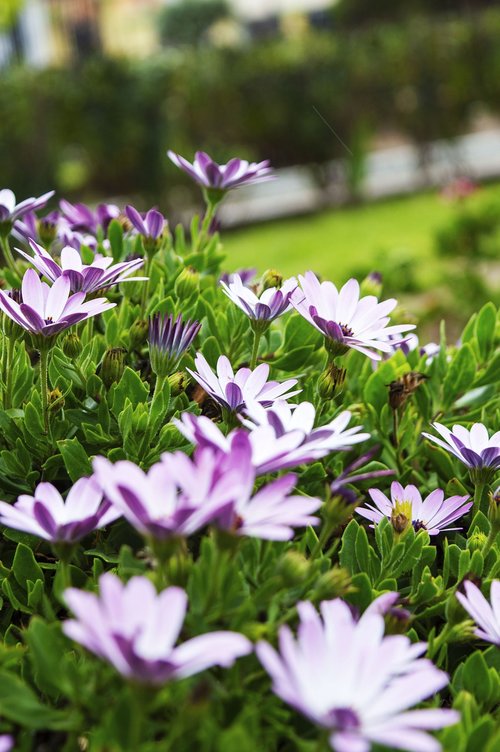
(166, 582)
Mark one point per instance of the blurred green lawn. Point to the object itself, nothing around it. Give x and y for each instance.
(341, 242)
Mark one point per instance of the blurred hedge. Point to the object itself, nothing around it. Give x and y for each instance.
(103, 128)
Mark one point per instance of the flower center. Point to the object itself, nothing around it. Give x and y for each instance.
(346, 330)
(344, 719)
(418, 525)
(49, 320)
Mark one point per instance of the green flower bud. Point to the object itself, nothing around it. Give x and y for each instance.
(400, 522)
(138, 334)
(494, 510)
(56, 400)
(187, 283)
(372, 284)
(294, 568)
(477, 540)
(331, 381)
(113, 365)
(178, 382)
(47, 232)
(72, 346)
(271, 278)
(335, 583)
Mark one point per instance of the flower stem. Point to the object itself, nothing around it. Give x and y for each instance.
(7, 399)
(478, 495)
(9, 258)
(145, 285)
(255, 349)
(205, 226)
(44, 386)
(490, 541)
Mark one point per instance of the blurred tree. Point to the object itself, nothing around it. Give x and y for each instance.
(354, 13)
(186, 22)
(9, 10)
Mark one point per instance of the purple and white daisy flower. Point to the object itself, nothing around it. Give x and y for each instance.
(474, 447)
(177, 496)
(168, 341)
(10, 211)
(224, 177)
(135, 629)
(263, 308)
(45, 310)
(275, 443)
(234, 390)
(47, 515)
(150, 226)
(406, 506)
(87, 278)
(349, 679)
(345, 319)
(83, 219)
(486, 615)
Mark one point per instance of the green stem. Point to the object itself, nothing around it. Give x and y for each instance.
(7, 400)
(205, 226)
(478, 495)
(490, 541)
(9, 258)
(145, 285)
(395, 427)
(44, 386)
(255, 349)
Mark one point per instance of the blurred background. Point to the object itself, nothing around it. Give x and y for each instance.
(382, 118)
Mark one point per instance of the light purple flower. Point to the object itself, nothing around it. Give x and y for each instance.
(345, 319)
(267, 306)
(168, 341)
(87, 278)
(83, 219)
(349, 477)
(150, 226)
(50, 517)
(473, 447)
(346, 677)
(486, 616)
(49, 310)
(223, 177)
(246, 276)
(177, 496)
(6, 743)
(135, 629)
(234, 390)
(434, 513)
(281, 436)
(272, 514)
(10, 211)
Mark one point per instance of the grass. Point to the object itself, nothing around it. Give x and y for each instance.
(342, 242)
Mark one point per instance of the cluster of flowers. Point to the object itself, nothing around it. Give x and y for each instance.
(340, 671)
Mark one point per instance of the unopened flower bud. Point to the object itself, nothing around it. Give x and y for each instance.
(372, 284)
(293, 567)
(335, 583)
(138, 333)
(399, 522)
(113, 365)
(187, 283)
(56, 400)
(271, 278)
(494, 510)
(397, 621)
(477, 540)
(71, 345)
(140, 418)
(178, 382)
(47, 231)
(331, 381)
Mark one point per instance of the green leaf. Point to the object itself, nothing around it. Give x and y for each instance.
(115, 237)
(476, 677)
(295, 359)
(347, 556)
(460, 374)
(130, 387)
(18, 703)
(485, 329)
(75, 459)
(25, 566)
(47, 649)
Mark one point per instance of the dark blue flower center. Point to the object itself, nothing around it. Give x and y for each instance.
(346, 330)
(418, 525)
